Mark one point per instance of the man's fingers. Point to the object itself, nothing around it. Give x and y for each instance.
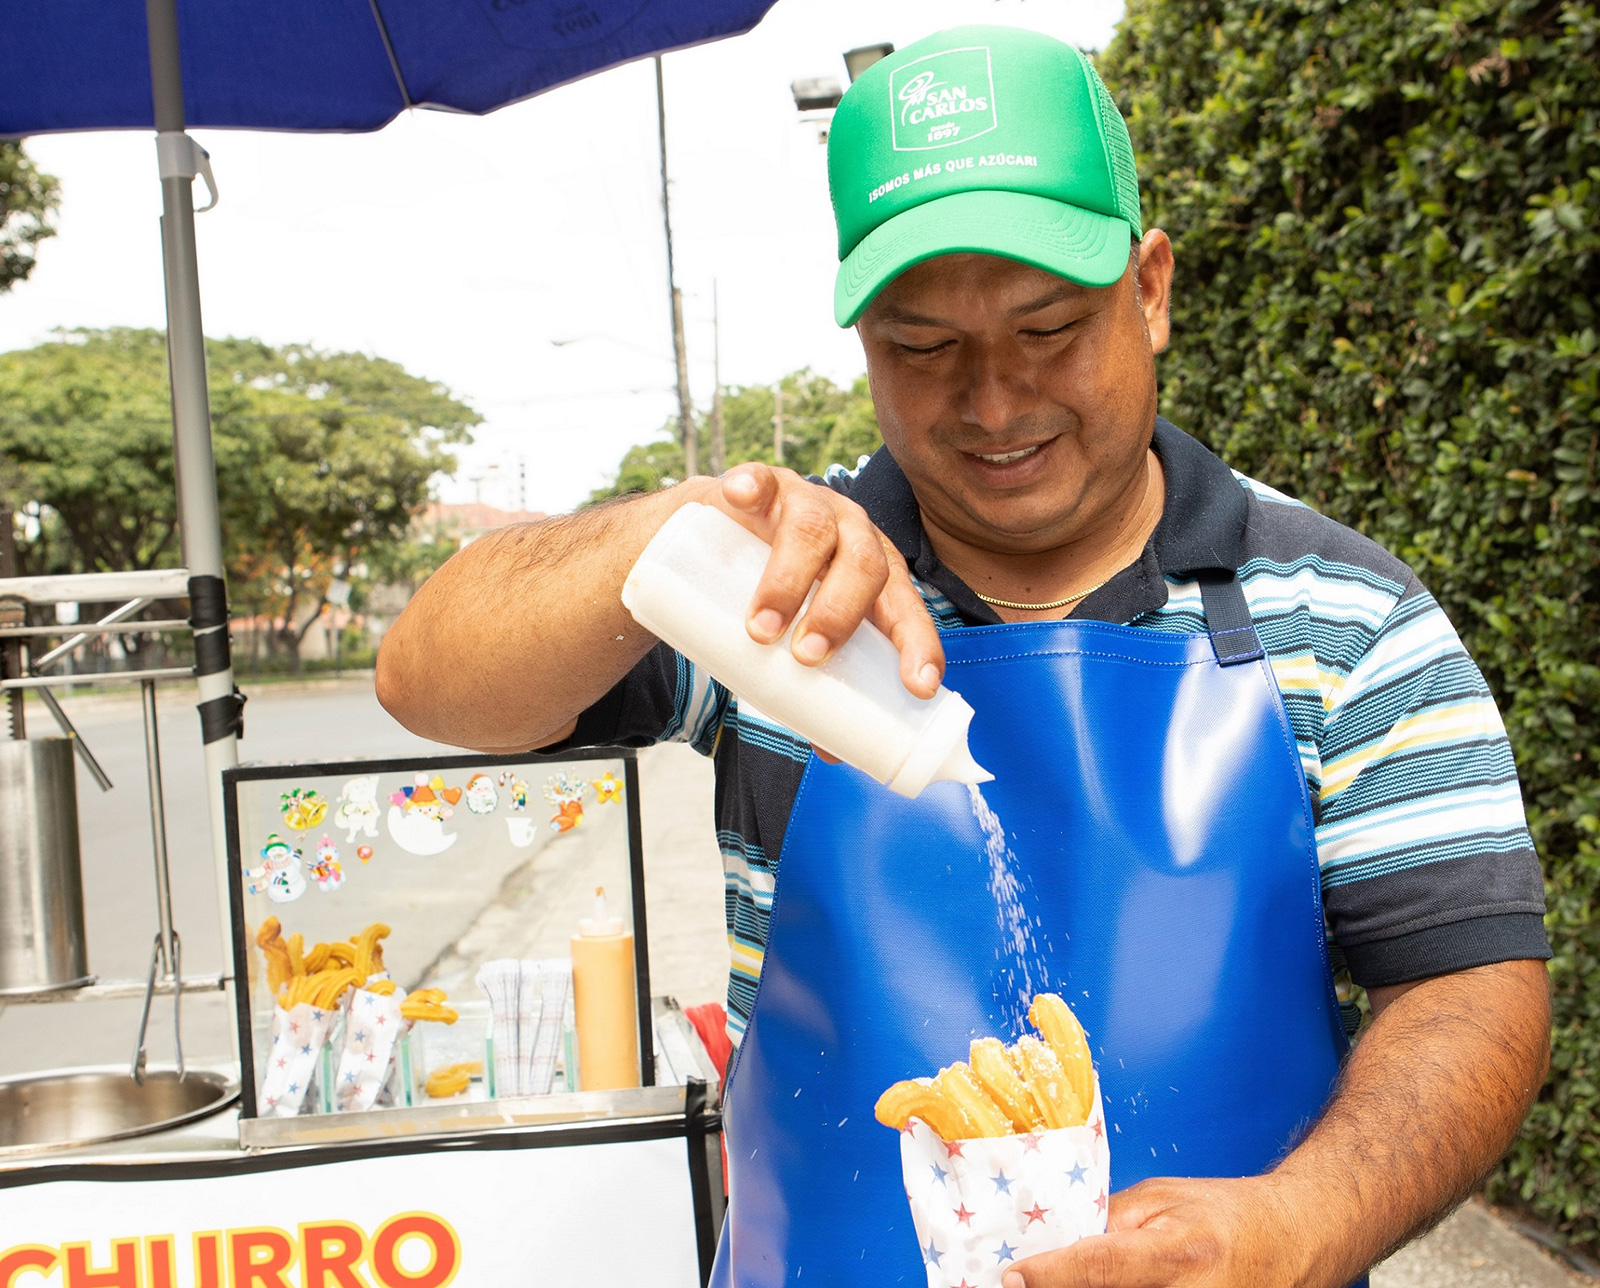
(750, 491)
(803, 543)
(901, 615)
(855, 577)
(1133, 1259)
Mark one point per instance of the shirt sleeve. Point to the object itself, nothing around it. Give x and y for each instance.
(664, 698)
(1427, 864)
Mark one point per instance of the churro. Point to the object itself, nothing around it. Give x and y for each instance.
(1036, 1084)
(451, 1079)
(428, 1004)
(1059, 1026)
(999, 1077)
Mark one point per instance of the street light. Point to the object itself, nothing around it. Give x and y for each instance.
(816, 97)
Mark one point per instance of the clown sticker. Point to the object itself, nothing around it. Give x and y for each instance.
(327, 871)
(417, 816)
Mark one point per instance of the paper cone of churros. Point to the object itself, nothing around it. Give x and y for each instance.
(1006, 1156)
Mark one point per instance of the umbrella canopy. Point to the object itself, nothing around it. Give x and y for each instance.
(290, 65)
(328, 64)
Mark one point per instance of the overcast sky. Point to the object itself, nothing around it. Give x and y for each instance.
(463, 246)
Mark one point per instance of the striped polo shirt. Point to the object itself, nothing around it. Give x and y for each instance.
(1427, 866)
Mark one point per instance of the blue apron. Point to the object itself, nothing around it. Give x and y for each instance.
(1150, 786)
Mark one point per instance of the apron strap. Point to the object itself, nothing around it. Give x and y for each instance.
(1233, 635)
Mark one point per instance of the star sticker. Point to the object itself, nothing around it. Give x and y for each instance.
(1002, 1183)
(1035, 1213)
(1075, 1175)
(361, 1037)
(383, 1019)
(939, 1174)
(293, 1087)
(930, 1254)
(1100, 1203)
(305, 1050)
(965, 1284)
(1030, 1141)
(952, 1149)
(1005, 1252)
(1099, 1127)
(283, 1062)
(370, 1057)
(351, 1076)
(963, 1217)
(294, 1026)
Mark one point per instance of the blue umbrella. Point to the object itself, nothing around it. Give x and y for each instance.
(346, 65)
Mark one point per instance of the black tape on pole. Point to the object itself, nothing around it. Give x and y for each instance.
(208, 619)
(208, 602)
(222, 716)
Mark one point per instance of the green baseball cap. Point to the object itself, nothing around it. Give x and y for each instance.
(987, 139)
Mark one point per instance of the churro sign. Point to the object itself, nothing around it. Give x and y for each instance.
(467, 1218)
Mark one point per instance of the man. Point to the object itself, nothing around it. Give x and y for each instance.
(1214, 718)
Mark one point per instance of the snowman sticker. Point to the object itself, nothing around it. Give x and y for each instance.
(279, 876)
(327, 871)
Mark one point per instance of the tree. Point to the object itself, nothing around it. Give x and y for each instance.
(1388, 261)
(823, 425)
(28, 198)
(322, 460)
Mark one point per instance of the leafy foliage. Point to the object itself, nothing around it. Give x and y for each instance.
(322, 460)
(1385, 224)
(27, 201)
(822, 425)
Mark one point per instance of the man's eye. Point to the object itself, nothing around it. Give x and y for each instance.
(1044, 333)
(924, 348)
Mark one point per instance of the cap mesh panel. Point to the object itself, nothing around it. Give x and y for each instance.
(1119, 151)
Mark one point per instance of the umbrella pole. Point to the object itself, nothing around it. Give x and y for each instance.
(199, 522)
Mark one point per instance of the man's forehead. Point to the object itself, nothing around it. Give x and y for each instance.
(1009, 285)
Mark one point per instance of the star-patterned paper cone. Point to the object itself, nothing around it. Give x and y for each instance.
(980, 1206)
(298, 1036)
(372, 1028)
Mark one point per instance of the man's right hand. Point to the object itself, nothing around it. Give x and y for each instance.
(817, 535)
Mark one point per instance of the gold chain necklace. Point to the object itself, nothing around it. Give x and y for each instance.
(1040, 608)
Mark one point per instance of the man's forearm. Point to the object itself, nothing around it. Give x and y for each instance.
(505, 644)
(1431, 1098)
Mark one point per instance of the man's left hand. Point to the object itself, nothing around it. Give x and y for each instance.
(1169, 1233)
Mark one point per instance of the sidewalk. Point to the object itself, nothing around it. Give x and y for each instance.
(1472, 1248)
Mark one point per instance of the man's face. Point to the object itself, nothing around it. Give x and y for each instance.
(1019, 405)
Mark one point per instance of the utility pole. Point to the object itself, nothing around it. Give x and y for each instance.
(717, 446)
(777, 423)
(686, 434)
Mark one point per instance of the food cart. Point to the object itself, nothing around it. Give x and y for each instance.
(153, 1174)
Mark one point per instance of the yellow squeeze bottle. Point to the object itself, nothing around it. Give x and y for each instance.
(604, 1001)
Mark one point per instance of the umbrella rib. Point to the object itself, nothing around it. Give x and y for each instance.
(388, 48)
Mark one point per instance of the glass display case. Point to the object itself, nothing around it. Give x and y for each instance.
(436, 945)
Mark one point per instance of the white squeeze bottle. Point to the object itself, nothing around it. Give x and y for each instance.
(692, 588)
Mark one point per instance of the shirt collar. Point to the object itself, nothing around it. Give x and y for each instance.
(1201, 528)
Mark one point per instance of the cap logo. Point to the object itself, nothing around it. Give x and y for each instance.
(942, 99)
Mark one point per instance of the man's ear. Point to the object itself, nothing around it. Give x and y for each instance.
(1155, 287)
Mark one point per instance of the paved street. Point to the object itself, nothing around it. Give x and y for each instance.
(500, 915)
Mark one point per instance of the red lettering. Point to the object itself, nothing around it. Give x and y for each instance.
(208, 1259)
(124, 1273)
(442, 1241)
(331, 1250)
(258, 1258)
(158, 1252)
(19, 1261)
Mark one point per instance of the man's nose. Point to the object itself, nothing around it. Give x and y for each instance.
(997, 388)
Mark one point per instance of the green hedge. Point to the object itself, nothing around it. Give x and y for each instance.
(1388, 249)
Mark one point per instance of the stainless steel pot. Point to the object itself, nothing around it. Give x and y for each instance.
(73, 1107)
(42, 944)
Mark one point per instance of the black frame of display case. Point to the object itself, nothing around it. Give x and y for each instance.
(231, 778)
